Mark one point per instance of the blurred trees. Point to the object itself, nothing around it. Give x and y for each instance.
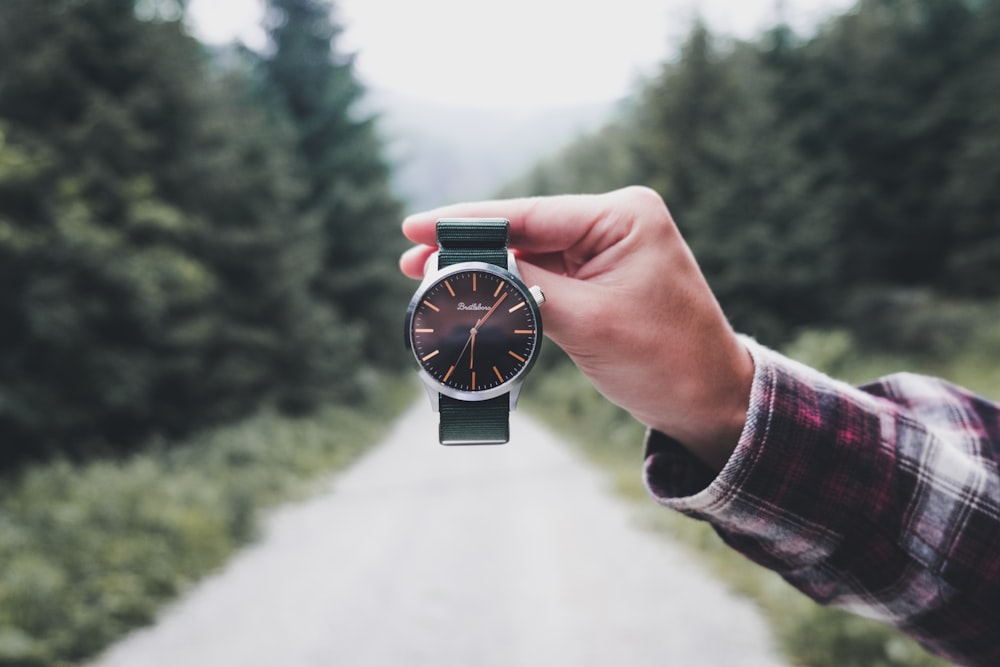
(845, 179)
(346, 181)
(164, 255)
(186, 235)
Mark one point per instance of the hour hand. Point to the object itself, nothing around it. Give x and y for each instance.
(471, 340)
(472, 349)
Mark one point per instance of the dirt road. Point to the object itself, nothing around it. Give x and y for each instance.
(420, 555)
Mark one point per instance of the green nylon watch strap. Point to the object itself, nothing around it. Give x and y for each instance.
(483, 240)
(473, 422)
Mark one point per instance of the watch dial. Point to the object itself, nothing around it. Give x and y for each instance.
(474, 330)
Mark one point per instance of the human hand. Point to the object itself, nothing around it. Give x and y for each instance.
(627, 302)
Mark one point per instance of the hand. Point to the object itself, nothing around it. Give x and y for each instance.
(628, 303)
(471, 339)
(472, 352)
(479, 323)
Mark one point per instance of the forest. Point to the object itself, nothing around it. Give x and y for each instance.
(845, 179)
(185, 235)
(189, 234)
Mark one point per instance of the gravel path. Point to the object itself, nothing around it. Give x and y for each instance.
(515, 556)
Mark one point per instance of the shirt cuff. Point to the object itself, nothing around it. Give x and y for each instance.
(677, 479)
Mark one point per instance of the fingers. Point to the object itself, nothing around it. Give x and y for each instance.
(537, 224)
(566, 302)
(563, 234)
(413, 261)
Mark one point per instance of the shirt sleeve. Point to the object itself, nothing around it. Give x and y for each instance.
(882, 499)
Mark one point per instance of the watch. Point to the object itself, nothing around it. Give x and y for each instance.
(474, 329)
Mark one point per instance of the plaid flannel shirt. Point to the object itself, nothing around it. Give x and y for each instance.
(882, 499)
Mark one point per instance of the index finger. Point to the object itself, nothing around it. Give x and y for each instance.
(537, 224)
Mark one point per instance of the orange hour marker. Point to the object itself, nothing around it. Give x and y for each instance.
(473, 282)
(431, 306)
(448, 374)
(497, 371)
(431, 355)
(473, 380)
(517, 307)
(524, 331)
(423, 331)
(500, 287)
(516, 356)
(450, 290)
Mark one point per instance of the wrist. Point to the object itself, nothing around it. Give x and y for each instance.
(718, 401)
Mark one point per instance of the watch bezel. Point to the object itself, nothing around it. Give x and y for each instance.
(512, 277)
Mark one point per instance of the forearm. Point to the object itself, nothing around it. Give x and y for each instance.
(883, 501)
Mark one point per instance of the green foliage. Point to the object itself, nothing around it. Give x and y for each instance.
(308, 81)
(169, 235)
(973, 199)
(681, 110)
(818, 177)
(966, 336)
(885, 93)
(93, 550)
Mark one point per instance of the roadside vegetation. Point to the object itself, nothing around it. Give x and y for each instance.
(92, 550)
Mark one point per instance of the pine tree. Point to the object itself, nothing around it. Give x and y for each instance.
(157, 273)
(348, 191)
(276, 341)
(760, 230)
(882, 84)
(677, 117)
(971, 199)
(106, 282)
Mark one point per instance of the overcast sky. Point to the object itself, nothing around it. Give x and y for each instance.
(524, 54)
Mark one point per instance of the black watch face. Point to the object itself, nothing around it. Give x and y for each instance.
(474, 330)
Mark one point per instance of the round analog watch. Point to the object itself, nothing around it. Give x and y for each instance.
(475, 330)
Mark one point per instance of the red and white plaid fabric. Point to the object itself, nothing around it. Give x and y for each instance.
(882, 499)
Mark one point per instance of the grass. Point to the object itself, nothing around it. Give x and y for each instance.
(808, 634)
(92, 551)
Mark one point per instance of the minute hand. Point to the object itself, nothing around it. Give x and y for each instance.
(474, 331)
(490, 312)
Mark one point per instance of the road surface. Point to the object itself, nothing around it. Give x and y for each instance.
(423, 555)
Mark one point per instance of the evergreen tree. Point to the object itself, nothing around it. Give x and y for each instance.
(889, 118)
(676, 120)
(348, 188)
(760, 230)
(972, 201)
(101, 280)
(158, 274)
(829, 179)
(276, 341)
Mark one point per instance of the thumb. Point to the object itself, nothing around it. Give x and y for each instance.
(567, 302)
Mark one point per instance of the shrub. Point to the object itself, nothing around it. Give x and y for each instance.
(93, 550)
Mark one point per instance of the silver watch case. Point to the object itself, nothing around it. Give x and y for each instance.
(432, 275)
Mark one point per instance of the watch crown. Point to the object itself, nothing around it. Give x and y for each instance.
(537, 294)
